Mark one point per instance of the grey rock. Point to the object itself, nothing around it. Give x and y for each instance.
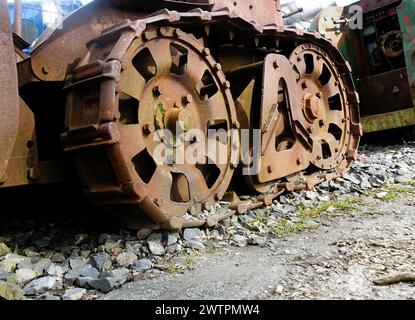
(240, 240)
(40, 266)
(74, 294)
(83, 271)
(283, 200)
(11, 260)
(142, 265)
(156, 248)
(311, 195)
(403, 179)
(107, 284)
(76, 262)
(83, 282)
(257, 240)
(324, 198)
(192, 233)
(5, 275)
(55, 270)
(126, 259)
(10, 291)
(101, 261)
(196, 244)
(143, 233)
(120, 272)
(174, 248)
(325, 185)
(40, 285)
(156, 237)
(24, 275)
(311, 223)
(172, 238)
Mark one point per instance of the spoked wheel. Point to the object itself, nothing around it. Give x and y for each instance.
(325, 106)
(172, 94)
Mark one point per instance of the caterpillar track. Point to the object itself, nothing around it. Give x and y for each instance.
(123, 144)
(177, 66)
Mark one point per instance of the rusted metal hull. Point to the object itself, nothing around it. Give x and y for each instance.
(9, 99)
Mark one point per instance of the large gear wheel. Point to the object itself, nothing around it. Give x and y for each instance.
(326, 111)
(170, 81)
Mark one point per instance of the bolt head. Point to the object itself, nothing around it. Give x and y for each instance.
(45, 69)
(148, 128)
(275, 64)
(157, 91)
(187, 99)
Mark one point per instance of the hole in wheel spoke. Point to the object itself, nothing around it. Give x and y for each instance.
(144, 165)
(218, 130)
(128, 108)
(144, 63)
(210, 173)
(325, 76)
(335, 103)
(179, 57)
(179, 191)
(309, 62)
(208, 87)
(325, 148)
(335, 131)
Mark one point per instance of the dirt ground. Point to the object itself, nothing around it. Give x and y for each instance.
(338, 260)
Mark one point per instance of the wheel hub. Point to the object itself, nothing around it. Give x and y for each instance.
(313, 106)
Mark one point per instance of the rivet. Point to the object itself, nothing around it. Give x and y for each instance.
(45, 69)
(206, 51)
(236, 125)
(157, 91)
(275, 64)
(187, 99)
(148, 128)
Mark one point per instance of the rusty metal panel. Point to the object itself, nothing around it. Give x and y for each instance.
(387, 121)
(9, 101)
(371, 5)
(387, 92)
(407, 20)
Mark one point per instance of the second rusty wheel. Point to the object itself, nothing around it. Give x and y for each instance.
(326, 110)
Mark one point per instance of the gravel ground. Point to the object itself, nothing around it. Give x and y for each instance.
(339, 260)
(328, 243)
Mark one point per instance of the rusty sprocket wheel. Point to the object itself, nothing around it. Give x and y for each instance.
(170, 81)
(326, 111)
